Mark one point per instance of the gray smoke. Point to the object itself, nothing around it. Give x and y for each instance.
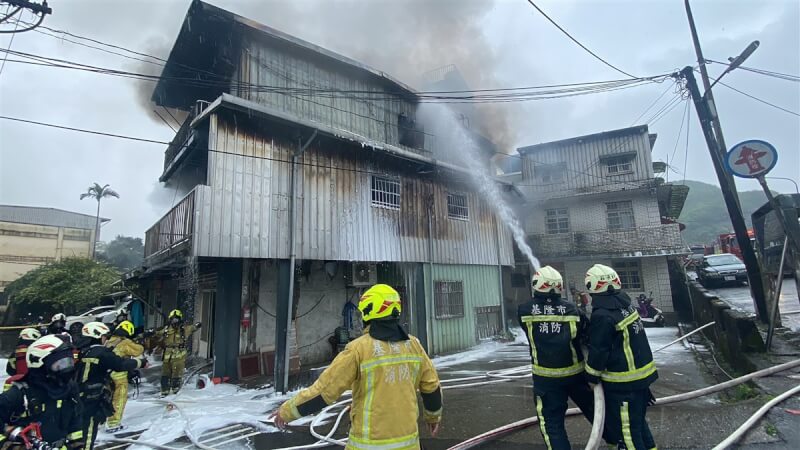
(158, 46)
(402, 38)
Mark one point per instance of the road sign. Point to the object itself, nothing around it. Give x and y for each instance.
(751, 159)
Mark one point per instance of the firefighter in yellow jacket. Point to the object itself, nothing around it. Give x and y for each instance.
(123, 346)
(176, 336)
(384, 368)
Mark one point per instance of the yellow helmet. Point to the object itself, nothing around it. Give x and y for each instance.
(547, 281)
(175, 313)
(600, 278)
(127, 327)
(378, 302)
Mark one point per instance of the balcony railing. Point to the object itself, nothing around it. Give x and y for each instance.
(183, 137)
(172, 230)
(641, 241)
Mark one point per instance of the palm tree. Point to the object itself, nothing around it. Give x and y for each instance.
(98, 193)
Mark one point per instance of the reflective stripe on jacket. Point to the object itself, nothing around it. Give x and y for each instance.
(384, 377)
(619, 352)
(554, 329)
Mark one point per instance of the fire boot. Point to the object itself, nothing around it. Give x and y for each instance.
(164, 386)
(176, 385)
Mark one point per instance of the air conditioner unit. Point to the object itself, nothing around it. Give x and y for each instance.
(362, 274)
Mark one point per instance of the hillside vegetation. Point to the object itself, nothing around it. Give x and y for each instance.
(705, 215)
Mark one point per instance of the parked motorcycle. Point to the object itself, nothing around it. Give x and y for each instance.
(650, 315)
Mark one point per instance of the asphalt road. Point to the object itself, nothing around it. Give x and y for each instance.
(695, 424)
(739, 297)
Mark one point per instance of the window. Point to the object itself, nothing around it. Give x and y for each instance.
(448, 297)
(385, 192)
(457, 206)
(630, 273)
(550, 173)
(618, 165)
(620, 216)
(557, 221)
(487, 322)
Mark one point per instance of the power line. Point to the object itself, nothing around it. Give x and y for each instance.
(577, 42)
(670, 160)
(756, 98)
(165, 121)
(84, 130)
(686, 152)
(769, 73)
(10, 41)
(651, 105)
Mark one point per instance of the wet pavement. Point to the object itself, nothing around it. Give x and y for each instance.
(695, 424)
(739, 297)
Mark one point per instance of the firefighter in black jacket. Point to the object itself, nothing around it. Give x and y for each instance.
(620, 357)
(43, 407)
(94, 377)
(555, 329)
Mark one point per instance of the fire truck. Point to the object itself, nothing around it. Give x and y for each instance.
(727, 243)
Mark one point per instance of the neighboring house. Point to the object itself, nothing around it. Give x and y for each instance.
(595, 199)
(370, 202)
(32, 236)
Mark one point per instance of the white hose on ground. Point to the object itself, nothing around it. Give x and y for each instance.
(683, 337)
(137, 442)
(754, 418)
(524, 423)
(599, 419)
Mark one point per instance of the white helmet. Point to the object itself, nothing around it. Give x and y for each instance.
(95, 330)
(47, 346)
(30, 334)
(600, 278)
(547, 281)
(58, 317)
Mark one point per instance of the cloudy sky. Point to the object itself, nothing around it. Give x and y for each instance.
(496, 44)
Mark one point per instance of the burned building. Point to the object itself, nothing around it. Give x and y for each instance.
(309, 178)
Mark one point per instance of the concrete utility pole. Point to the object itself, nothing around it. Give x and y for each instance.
(729, 194)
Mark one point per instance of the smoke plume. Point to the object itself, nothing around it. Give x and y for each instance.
(404, 39)
(158, 47)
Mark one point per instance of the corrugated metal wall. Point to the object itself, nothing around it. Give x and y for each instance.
(481, 288)
(244, 212)
(584, 170)
(367, 110)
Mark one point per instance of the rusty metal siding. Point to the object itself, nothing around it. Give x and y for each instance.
(585, 172)
(264, 65)
(245, 208)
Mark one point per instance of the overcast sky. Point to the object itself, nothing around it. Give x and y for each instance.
(502, 44)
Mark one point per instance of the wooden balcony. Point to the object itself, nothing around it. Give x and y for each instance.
(173, 231)
(652, 240)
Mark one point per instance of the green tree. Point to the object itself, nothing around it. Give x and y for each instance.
(98, 193)
(71, 286)
(124, 252)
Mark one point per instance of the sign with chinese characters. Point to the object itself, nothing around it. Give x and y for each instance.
(751, 159)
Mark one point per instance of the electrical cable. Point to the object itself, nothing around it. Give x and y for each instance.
(756, 98)
(577, 42)
(9, 15)
(32, 27)
(686, 151)
(81, 130)
(671, 160)
(769, 73)
(651, 105)
(10, 41)
(165, 121)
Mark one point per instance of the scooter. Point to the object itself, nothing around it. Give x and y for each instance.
(649, 314)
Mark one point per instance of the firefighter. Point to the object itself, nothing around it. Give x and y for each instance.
(175, 336)
(44, 405)
(95, 369)
(58, 324)
(384, 368)
(123, 346)
(620, 358)
(555, 329)
(16, 360)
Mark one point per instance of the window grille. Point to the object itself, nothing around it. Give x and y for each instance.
(457, 207)
(619, 164)
(630, 274)
(385, 192)
(557, 221)
(620, 216)
(448, 298)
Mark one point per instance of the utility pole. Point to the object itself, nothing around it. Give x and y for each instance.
(729, 195)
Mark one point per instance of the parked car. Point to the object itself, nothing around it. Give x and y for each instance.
(718, 270)
(105, 314)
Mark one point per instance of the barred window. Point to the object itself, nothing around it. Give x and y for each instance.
(557, 221)
(630, 273)
(385, 192)
(457, 207)
(448, 298)
(620, 216)
(488, 323)
(618, 165)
